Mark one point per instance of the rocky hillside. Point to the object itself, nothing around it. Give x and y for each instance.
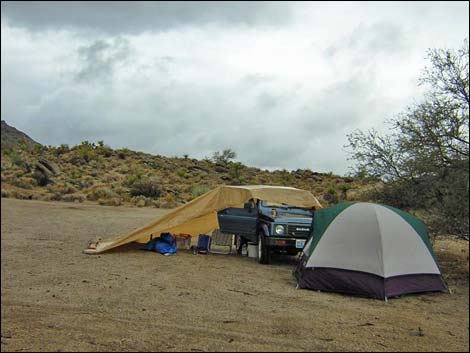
(13, 138)
(93, 172)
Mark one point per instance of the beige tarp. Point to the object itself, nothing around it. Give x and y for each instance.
(200, 215)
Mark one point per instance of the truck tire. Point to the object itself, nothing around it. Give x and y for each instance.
(263, 250)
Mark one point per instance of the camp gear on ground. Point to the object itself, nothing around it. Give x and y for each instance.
(368, 249)
(200, 215)
(219, 239)
(183, 241)
(252, 250)
(165, 244)
(203, 244)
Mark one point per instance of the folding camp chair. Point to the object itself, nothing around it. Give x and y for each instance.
(220, 239)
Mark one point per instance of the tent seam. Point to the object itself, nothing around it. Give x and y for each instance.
(381, 243)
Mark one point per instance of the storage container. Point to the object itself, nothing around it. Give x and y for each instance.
(252, 250)
(183, 241)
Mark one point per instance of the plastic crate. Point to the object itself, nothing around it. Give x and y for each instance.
(183, 241)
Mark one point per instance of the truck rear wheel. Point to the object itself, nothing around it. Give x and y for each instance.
(263, 250)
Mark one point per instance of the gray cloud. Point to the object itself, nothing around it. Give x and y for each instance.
(100, 58)
(119, 17)
(196, 78)
(378, 38)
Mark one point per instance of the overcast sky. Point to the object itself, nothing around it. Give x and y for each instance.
(280, 83)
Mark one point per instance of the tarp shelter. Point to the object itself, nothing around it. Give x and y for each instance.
(368, 249)
(200, 215)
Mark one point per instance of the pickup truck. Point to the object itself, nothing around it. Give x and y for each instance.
(273, 227)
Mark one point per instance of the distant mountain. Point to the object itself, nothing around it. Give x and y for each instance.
(14, 138)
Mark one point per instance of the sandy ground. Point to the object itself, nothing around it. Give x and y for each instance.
(55, 298)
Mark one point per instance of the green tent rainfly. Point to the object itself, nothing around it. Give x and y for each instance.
(368, 249)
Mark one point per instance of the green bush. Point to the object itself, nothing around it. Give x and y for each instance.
(344, 188)
(39, 149)
(146, 187)
(132, 179)
(16, 159)
(103, 149)
(199, 190)
(63, 148)
(101, 193)
(41, 178)
(181, 172)
(331, 190)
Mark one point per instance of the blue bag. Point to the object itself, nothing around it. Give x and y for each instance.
(150, 246)
(165, 244)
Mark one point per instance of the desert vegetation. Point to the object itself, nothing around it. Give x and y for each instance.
(94, 172)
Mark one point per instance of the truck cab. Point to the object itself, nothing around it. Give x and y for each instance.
(272, 226)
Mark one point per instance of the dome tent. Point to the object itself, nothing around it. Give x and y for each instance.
(368, 249)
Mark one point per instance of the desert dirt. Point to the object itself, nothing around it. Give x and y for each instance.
(55, 298)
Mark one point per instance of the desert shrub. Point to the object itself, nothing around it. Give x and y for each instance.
(123, 153)
(331, 190)
(109, 178)
(344, 188)
(103, 149)
(66, 188)
(330, 195)
(141, 201)
(39, 149)
(133, 178)
(181, 172)
(235, 172)
(101, 193)
(75, 174)
(198, 190)
(146, 187)
(169, 201)
(120, 190)
(24, 183)
(63, 148)
(16, 159)
(84, 184)
(41, 178)
(84, 153)
(286, 178)
(115, 201)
